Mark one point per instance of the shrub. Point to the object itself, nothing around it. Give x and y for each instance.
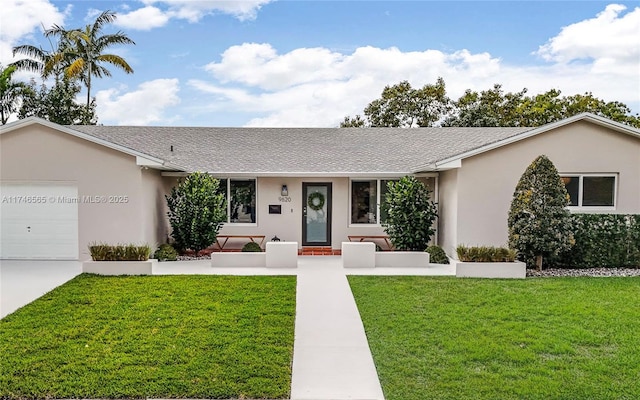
(166, 252)
(485, 254)
(437, 255)
(539, 222)
(128, 252)
(251, 247)
(603, 240)
(196, 212)
(410, 214)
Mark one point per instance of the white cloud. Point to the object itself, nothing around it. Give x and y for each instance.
(318, 86)
(157, 13)
(143, 106)
(20, 18)
(610, 41)
(143, 19)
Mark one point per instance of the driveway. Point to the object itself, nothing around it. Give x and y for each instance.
(21, 282)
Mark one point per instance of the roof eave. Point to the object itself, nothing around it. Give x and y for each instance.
(596, 119)
(141, 158)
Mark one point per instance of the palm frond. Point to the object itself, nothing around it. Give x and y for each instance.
(116, 61)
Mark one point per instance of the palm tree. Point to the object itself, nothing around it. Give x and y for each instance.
(44, 62)
(84, 55)
(11, 93)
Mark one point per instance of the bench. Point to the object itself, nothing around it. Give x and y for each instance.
(371, 238)
(252, 238)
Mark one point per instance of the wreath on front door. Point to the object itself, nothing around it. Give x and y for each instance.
(316, 201)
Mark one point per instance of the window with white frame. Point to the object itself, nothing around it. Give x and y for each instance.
(240, 195)
(591, 190)
(369, 195)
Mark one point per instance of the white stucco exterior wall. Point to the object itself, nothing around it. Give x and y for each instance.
(486, 182)
(36, 153)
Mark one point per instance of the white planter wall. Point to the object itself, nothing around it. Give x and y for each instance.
(118, 267)
(509, 270)
(402, 259)
(358, 254)
(282, 254)
(238, 259)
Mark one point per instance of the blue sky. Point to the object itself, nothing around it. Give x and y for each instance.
(310, 63)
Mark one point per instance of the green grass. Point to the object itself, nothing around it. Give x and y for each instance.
(154, 336)
(447, 338)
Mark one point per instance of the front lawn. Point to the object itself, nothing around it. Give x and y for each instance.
(153, 336)
(447, 338)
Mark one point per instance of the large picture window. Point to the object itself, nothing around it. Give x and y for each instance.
(241, 200)
(591, 190)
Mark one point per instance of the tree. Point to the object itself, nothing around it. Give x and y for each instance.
(495, 108)
(196, 211)
(539, 222)
(85, 54)
(45, 63)
(58, 104)
(402, 106)
(11, 93)
(353, 122)
(491, 107)
(410, 214)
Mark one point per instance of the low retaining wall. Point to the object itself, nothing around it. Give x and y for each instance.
(402, 259)
(118, 267)
(364, 255)
(358, 254)
(282, 254)
(276, 255)
(507, 270)
(238, 259)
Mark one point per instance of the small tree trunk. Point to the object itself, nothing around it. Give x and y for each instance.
(539, 263)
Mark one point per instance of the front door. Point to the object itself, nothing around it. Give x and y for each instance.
(316, 214)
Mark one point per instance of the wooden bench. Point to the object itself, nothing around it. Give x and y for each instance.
(371, 238)
(252, 238)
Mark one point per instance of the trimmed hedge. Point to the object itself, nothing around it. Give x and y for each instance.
(485, 254)
(120, 252)
(603, 240)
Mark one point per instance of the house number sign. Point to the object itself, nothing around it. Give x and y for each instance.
(284, 199)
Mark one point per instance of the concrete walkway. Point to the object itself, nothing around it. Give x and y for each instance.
(331, 356)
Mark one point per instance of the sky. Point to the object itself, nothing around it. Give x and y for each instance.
(311, 63)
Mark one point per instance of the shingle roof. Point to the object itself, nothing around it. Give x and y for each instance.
(300, 150)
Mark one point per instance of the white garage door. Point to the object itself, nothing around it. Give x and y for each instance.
(38, 221)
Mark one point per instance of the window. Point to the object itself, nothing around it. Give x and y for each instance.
(241, 200)
(364, 202)
(366, 199)
(591, 190)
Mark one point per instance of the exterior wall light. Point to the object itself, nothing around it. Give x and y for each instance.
(284, 191)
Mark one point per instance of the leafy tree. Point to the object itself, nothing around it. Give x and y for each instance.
(402, 106)
(85, 55)
(58, 104)
(539, 222)
(494, 107)
(353, 122)
(491, 107)
(196, 211)
(410, 214)
(11, 93)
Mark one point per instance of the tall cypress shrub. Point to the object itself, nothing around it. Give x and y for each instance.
(539, 222)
